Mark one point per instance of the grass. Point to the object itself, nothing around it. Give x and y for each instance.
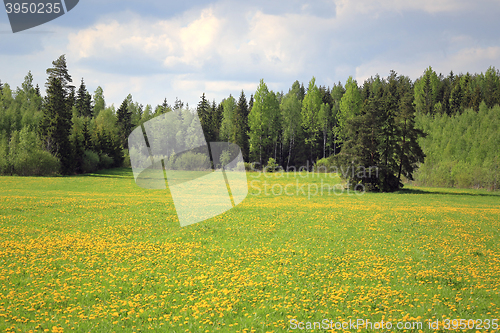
(96, 253)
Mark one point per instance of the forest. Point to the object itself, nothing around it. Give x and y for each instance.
(436, 131)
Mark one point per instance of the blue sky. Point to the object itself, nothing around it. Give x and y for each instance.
(156, 49)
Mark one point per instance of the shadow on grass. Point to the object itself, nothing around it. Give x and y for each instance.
(111, 173)
(441, 192)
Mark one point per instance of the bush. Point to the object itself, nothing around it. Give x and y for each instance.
(105, 162)
(126, 159)
(323, 165)
(192, 161)
(225, 158)
(271, 166)
(36, 163)
(90, 161)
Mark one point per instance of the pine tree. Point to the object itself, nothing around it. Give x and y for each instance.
(408, 151)
(389, 96)
(360, 156)
(60, 71)
(56, 125)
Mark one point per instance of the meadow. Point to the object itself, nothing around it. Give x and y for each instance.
(97, 253)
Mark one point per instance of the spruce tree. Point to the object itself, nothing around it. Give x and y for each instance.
(56, 125)
(205, 115)
(241, 122)
(124, 122)
(83, 102)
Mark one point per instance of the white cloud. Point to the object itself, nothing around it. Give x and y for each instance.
(374, 8)
(227, 46)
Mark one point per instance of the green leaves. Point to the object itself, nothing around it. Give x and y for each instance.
(350, 106)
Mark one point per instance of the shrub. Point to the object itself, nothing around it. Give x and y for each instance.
(105, 162)
(249, 166)
(192, 161)
(90, 161)
(323, 165)
(271, 166)
(126, 159)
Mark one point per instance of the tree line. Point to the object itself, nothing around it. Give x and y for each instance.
(383, 123)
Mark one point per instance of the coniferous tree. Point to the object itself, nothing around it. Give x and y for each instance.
(205, 115)
(360, 156)
(60, 71)
(456, 96)
(241, 125)
(83, 102)
(217, 118)
(124, 122)
(491, 87)
(56, 124)
(408, 151)
(390, 96)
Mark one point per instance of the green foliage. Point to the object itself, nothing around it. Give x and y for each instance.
(83, 102)
(271, 166)
(60, 72)
(370, 124)
(99, 102)
(124, 121)
(426, 91)
(56, 125)
(349, 107)
(291, 107)
(225, 157)
(462, 150)
(90, 161)
(191, 161)
(105, 161)
(264, 121)
(228, 126)
(205, 113)
(382, 138)
(241, 126)
(310, 113)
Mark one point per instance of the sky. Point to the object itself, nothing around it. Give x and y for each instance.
(156, 49)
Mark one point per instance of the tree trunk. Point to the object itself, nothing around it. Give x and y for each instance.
(402, 154)
(289, 152)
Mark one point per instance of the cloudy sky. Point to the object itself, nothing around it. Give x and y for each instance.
(155, 49)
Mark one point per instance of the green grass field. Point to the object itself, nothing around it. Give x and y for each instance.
(96, 253)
